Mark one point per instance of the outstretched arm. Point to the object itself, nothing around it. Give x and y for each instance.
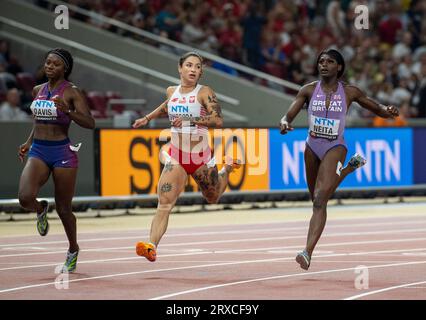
(295, 107)
(381, 110)
(158, 112)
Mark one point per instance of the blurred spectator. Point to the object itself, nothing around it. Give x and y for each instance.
(401, 93)
(336, 18)
(192, 32)
(271, 50)
(252, 25)
(11, 108)
(7, 80)
(417, 66)
(421, 106)
(389, 27)
(165, 47)
(169, 19)
(403, 47)
(230, 38)
(420, 95)
(416, 15)
(294, 68)
(405, 68)
(384, 93)
(226, 52)
(4, 53)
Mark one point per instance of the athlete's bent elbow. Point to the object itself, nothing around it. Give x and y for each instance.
(219, 123)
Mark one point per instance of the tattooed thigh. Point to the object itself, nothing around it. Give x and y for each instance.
(168, 167)
(166, 187)
(207, 179)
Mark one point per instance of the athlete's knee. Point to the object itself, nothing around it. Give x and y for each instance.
(211, 197)
(26, 199)
(165, 203)
(166, 198)
(320, 199)
(63, 210)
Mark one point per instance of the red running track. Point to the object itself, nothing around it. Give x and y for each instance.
(362, 258)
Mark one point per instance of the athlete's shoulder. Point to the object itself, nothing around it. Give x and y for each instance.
(308, 88)
(349, 86)
(71, 86)
(71, 90)
(352, 90)
(37, 89)
(206, 95)
(170, 90)
(311, 84)
(205, 89)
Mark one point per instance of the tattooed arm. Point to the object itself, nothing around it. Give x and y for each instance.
(160, 111)
(214, 117)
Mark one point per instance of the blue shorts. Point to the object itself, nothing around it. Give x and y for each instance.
(55, 154)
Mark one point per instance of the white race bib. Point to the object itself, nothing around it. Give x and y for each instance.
(44, 110)
(324, 127)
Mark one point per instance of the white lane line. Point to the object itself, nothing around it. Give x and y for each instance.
(172, 235)
(179, 293)
(208, 265)
(384, 290)
(417, 254)
(240, 251)
(328, 235)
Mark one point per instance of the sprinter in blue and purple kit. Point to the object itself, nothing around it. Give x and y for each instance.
(328, 102)
(56, 103)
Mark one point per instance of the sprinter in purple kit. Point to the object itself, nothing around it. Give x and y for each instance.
(328, 101)
(56, 103)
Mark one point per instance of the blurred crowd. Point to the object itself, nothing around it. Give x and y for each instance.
(12, 95)
(284, 37)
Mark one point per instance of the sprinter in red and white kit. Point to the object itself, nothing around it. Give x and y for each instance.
(192, 109)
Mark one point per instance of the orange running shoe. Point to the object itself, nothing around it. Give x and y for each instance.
(146, 250)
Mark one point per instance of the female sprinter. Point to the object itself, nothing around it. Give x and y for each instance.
(328, 101)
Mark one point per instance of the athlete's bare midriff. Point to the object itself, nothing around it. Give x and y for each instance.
(51, 132)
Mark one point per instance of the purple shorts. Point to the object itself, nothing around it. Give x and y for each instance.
(321, 146)
(56, 154)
